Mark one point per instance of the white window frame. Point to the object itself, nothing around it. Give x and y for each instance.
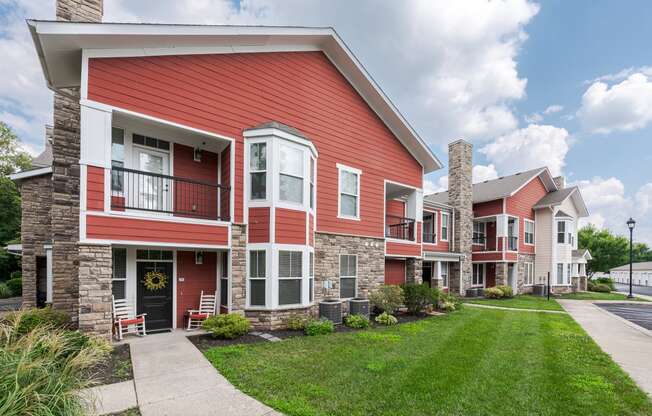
(528, 274)
(480, 233)
(343, 168)
(559, 278)
(278, 172)
(444, 274)
(435, 223)
(355, 277)
(474, 280)
(250, 278)
(113, 278)
(311, 277)
(525, 232)
(564, 232)
(251, 143)
(445, 223)
(279, 278)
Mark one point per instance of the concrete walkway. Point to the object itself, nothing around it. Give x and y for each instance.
(172, 377)
(629, 345)
(504, 308)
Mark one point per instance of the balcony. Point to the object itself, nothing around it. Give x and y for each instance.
(151, 192)
(399, 228)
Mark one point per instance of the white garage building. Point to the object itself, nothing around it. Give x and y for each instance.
(641, 274)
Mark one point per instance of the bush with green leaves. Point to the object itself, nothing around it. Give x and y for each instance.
(227, 326)
(27, 320)
(356, 321)
(600, 287)
(508, 292)
(493, 293)
(297, 322)
(42, 370)
(449, 302)
(5, 292)
(319, 327)
(605, 281)
(387, 298)
(16, 286)
(386, 319)
(417, 297)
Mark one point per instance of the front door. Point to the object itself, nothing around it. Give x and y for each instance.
(153, 297)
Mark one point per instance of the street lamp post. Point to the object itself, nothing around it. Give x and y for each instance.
(630, 224)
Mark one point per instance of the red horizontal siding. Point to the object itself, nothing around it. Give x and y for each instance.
(484, 209)
(133, 229)
(227, 93)
(191, 197)
(483, 256)
(290, 226)
(311, 232)
(521, 205)
(403, 249)
(435, 247)
(94, 188)
(225, 172)
(511, 256)
(394, 272)
(259, 225)
(395, 208)
(196, 277)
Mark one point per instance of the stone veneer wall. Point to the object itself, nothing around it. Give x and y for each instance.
(36, 199)
(238, 267)
(501, 273)
(520, 272)
(95, 271)
(414, 270)
(460, 197)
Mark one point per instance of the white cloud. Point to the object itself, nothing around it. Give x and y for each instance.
(621, 75)
(533, 118)
(555, 108)
(484, 173)
(623, 106)
(480, 173)
(449, 66)
(528, 148)
(644, 199)
(440, 185)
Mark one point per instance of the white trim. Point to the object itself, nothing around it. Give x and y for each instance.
(49, 286)
(174, 289)
(181, 246)
(358, 173)
(528, 264)
(441, 227)
(272, 131)
(30, 173)
(139, 216)
(484, 274)
(525, 221)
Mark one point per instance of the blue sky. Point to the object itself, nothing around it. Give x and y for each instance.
(567, 84)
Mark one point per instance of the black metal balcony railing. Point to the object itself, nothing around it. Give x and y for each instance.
(479, 240)
(399, 227)
(512, 243)
(152, 192)
(429, 237)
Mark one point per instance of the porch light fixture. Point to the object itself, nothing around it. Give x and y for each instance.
(197, 154)
(199, 257)
(630, 224)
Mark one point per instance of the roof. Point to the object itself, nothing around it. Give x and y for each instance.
(45, 158)
(502, 187)
(59, 46)
(583, 253)
(558, 197)
(279, 126)
(561, 213)
(643, 265)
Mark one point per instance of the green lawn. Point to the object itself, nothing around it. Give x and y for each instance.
(522, 302)
(471, 362)
(598, 296)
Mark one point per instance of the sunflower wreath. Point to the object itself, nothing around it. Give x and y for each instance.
(155, 280)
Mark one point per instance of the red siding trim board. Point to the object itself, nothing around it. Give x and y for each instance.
(402, 249)
(94, 188)
(227, 93)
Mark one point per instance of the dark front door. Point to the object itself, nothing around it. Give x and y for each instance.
(156, 303)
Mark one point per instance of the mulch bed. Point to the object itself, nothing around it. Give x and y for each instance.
(206, 341)
(116, 368)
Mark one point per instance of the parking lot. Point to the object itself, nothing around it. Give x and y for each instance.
(639, 314)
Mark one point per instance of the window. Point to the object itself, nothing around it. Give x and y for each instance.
(430, 227)
(348, 275)
(153, 255)
(258, 170)
(478, 274)
(560, 274)
(289, 273)
(529, 232)
(290, 174)
(312, 183)
(224, 280)
(349, 192)
(568, 269)
(444, 226)
(152, 142)
(119, 277)
(529, 274)
(257, 277)
(478, 232)
(444, 274)
(117, 158)
(311, 278)
(561, 232)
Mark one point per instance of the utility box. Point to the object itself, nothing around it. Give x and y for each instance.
(331, 309)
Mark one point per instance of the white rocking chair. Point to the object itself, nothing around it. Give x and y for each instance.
(207, 304)
(125, 320)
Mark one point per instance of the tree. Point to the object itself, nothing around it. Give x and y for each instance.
(608, 250)
(12, 157)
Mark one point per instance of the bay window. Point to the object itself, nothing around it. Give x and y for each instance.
(478, 232)
(290, 174)
(561, 232)
(258, 170)
(560, 274)
(257, 277)
(289, 275)
(349, 192)
(348, 275)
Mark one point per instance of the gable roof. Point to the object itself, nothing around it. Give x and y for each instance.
(502, 187)
(59, 46)
(558, 197)
(582, 253)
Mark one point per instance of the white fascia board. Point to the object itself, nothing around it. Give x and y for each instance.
(30, 173)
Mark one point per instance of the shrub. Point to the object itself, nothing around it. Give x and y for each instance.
(386, 319)
(601, 287)
(319, 327)
(41, 371)
(507, 291)
(417, 297)
(493, 293)
(449, 303)
(227, 326)
(357, 321)
(26, 321)
(387, 298)
(16, 286)
(605, 281)
(297, 322)
(16, 274)
(5, 292)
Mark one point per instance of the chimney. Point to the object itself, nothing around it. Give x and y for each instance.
(560, 181)
(80, 10)
(460, 197)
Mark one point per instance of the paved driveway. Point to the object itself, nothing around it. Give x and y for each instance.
(636, 313)
(640, 290)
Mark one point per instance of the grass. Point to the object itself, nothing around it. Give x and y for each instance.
(598, 296)
(471, 362)
(521, 302)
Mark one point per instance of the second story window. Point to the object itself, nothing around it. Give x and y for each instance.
(444, 225)
(561, 232)
(529, 232)
(290, 174)
(478, 232)
(258, 170)
(349, 192)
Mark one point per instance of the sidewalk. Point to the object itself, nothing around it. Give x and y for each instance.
(172, 377)
(504, 308)
(629, 346)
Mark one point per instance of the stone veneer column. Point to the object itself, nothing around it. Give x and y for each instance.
(65, 176)
(520, 272)
(238, 268)
(460, 197)
(414, 271)
(501, 273)
(36, 199)
(95, 271)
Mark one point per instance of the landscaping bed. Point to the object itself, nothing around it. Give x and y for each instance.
(115, 368)
(206, 341)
